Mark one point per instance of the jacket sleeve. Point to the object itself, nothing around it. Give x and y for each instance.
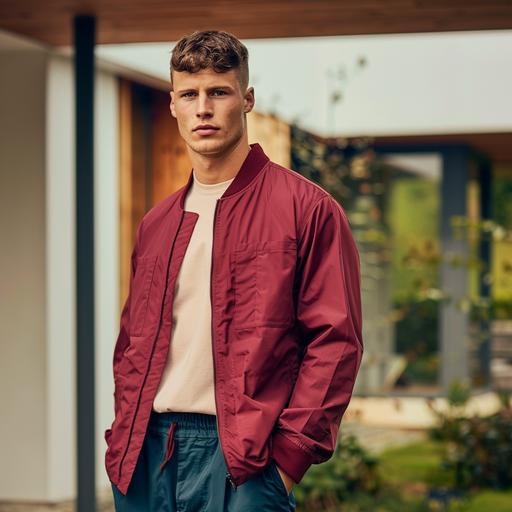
(329, 318)
(123, 338)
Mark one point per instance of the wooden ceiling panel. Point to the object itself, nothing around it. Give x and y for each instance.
(132, 21)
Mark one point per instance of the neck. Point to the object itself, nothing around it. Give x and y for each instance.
(218, 168)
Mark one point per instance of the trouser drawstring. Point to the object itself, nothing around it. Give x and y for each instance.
(170, 445)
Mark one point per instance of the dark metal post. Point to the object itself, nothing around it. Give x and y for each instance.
(84, 38)
(453, 324)
(484, 349)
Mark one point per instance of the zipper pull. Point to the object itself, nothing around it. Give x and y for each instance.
(229, 477)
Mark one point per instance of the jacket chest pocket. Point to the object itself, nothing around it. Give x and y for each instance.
(140, 293)
(263, 284)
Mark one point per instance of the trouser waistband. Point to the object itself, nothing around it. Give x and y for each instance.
(191, 422)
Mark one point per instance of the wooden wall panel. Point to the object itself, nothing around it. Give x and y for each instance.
(126, 231)
(170, 167)
(272, 134)
(153, 162)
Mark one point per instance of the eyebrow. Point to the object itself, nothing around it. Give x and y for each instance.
(188, 89)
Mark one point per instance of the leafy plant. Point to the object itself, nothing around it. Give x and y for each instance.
(477, 449)
(351, 469)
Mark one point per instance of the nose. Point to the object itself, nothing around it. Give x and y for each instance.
(204, 106)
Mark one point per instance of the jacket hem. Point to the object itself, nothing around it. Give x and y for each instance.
(290, 457)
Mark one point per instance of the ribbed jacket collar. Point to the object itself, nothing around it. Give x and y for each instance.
(254, 162)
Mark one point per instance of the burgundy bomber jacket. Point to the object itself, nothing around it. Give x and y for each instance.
(286, 322)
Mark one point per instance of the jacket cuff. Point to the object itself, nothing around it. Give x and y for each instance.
(290, 457)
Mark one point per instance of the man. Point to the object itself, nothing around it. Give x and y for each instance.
(240, 339)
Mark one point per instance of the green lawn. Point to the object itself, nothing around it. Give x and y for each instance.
(492, 501)
(415, 462)
(415, 467)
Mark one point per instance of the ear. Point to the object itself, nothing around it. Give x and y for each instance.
(249, 100)
(171, 104)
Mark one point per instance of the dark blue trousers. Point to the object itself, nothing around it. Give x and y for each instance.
(181, 468)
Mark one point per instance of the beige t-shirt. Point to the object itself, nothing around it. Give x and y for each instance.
(187, 380)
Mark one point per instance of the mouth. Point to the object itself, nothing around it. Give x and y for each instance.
(205, 130)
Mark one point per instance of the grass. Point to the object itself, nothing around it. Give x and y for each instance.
(415, 462)
(417, 466)
(491, 500)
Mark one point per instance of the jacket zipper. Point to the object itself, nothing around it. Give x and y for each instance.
(228, 474)
(152, 348)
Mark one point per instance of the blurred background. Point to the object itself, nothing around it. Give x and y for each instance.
(401, 110)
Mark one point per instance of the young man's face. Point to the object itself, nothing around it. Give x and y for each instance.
(214, 99)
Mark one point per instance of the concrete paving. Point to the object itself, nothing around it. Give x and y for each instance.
(377, 439)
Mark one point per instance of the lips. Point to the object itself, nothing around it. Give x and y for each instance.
(205, 129)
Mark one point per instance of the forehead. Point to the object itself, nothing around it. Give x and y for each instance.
(204, 78)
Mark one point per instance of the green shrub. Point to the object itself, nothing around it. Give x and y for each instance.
(416, 332)
(477, 449)
(349, 471)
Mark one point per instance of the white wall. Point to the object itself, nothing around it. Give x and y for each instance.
(107, 244)
(23, 369)
(61, 269)
(37, 271)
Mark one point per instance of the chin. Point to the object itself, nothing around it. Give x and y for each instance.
(210, 147)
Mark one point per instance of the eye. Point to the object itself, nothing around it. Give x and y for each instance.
(219, 92)
(187, 94)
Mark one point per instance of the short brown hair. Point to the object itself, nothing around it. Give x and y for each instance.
(214, 49)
